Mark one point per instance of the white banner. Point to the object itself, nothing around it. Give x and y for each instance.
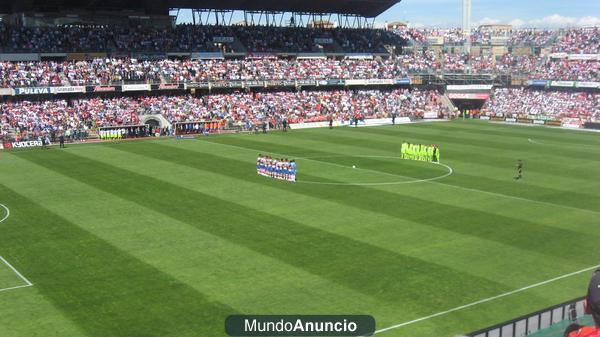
(378, 81)
(135, 87)
(356, 82)
(559, 55)
(584, 57)
(7, 92)
(587, 84)
(31, 143)
(485, 118)
(310, 125)
(511, 120)
(430, 115)
(562, 83)
(63, 90)
(537, 121)
(469, 87)
(359, 56)
(571, 124)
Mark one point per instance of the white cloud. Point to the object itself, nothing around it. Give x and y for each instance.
(487, 21)
(516, 23)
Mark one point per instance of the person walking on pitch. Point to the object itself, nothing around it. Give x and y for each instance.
(519, 170)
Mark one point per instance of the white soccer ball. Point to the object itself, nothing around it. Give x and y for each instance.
(353, 166)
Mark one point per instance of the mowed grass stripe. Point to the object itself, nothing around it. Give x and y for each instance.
(524, 299)
(105, 291)
(560, 216)
(392, 233)
(202, 157)
(559, 136)
(493, 156)
(503, 229)
(226, 272)
(508, 187)
(385, 275)
(474, 133)
(497, 167)
(496, 162)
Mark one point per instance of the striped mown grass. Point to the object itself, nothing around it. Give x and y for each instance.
(167, 238)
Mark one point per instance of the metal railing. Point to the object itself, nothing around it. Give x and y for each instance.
(534, 322)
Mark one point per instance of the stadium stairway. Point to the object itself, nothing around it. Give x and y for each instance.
(447, 102)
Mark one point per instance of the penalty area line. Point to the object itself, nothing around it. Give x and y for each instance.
(485, 300)
(10, 266)
(23, 278)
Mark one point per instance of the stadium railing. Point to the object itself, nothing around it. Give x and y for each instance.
(534, 322)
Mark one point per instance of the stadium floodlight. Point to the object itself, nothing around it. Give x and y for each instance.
(466, 25)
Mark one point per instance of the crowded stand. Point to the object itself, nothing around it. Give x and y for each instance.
(244, 109)
(579, 41)
(532, 37)
(563, 69)
(77, 115)
(296, 107)
(542, 104)
(193, 38)
(104, 71)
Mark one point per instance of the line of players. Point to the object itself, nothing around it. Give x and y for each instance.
(282, 169)
(112, 133)
(420, 152)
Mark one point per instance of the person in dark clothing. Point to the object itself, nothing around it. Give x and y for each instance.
(592, 307)
(61, 140)
(393, 118)
(331, 122)
(285, 125)
(519, 170)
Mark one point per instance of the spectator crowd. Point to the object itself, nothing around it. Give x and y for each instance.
(542, 104)
(244, 109)
(103, 71)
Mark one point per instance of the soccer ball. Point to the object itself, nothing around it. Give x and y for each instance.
(353, 166)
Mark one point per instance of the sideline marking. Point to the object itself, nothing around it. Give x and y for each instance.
(558, 144)
(27, 282)
(489, 299)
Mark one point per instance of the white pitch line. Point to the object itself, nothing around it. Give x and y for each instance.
(29, 284)
(489, 299)
(454, 186)
(450, 171)
(23, 278)
(17, 287)
(558, 144)
(7, 212)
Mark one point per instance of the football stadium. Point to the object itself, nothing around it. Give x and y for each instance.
(201, 168)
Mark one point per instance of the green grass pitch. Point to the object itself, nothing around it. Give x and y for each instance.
(166, 238)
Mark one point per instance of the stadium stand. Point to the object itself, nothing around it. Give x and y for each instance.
(576, 107)
(345, 63)
(246, 109)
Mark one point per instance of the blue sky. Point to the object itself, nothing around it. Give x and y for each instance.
(519, 13)
(538, 13)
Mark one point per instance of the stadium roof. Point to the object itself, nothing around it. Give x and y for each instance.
(366, 8)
